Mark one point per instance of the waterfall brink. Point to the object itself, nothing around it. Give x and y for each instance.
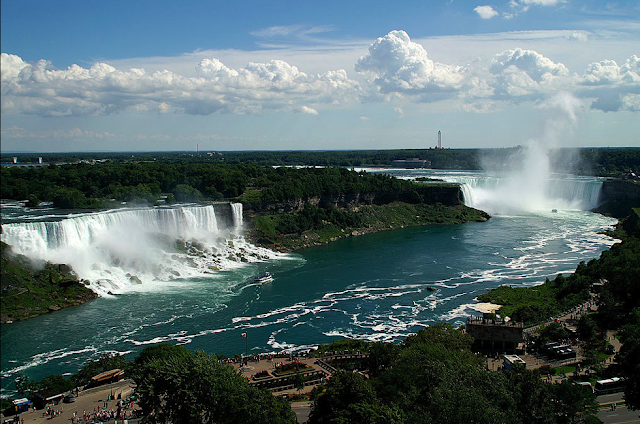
(117, 249)
(503, 195)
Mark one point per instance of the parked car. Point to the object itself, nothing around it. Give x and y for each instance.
(69, 398)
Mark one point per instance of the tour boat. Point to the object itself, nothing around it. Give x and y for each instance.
(265, 278)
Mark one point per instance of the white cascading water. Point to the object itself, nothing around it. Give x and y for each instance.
(503, 196)
(236, 209)
(117, 249)
(524, 183)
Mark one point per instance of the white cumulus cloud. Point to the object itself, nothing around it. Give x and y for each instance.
(521, 72)
(486, 12)
(102, 89)
(395, 64)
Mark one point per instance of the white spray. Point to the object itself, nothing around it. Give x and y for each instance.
(523, 183)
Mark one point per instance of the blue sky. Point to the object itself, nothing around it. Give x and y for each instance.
(280, 75)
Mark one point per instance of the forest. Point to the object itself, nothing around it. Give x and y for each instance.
(85, 186)
(586, 161)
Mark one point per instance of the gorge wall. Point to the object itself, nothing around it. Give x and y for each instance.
(446, 194)
(620, 191)
(618, 197)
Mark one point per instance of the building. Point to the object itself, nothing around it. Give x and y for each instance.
(495, 334)
(46, 397)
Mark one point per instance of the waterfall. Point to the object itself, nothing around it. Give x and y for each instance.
(504, 195)
(116, 249)
(236, 210)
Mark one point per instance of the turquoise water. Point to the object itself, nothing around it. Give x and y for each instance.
(373, 287)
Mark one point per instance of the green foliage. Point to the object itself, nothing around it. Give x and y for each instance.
(620, 267)
(186, 193)
(198, 388)
(88, 186)
(54, 383)
(5, 404)
(27, 292)
(72, 198)
(628, 359)
(24, 384)
(433, 377)
(315, 225)
(51, 383)
(350, 399)
(587, 328)
(441, 333)
(553, 332)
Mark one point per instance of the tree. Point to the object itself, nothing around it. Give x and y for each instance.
(350, 399)
(628, 360)
(587, 328)
(198, 388)
(24, 385)
(553, 332)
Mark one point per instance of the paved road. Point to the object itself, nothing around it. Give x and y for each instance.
(621, 415)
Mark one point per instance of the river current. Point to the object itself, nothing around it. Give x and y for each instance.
(374, 287)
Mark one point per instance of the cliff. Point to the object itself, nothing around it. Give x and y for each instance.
(618, 197)
(446, 194)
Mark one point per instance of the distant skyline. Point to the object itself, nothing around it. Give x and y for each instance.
(282, 75)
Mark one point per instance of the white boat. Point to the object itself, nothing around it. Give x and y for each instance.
(265, 278)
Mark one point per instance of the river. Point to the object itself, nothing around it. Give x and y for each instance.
(374, 287)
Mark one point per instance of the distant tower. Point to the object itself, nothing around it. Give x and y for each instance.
(39, 160)
(15, 159)
(198, 149)
(439, 140)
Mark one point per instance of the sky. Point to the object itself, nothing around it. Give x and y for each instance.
(97, 75)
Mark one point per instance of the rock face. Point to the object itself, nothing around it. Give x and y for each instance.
(621, 191)
(618, 197)
(447, 194)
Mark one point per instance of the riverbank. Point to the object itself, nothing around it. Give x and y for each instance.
(614, 271)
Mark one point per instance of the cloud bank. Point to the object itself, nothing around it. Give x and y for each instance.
(394, 68)
(103, 89)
